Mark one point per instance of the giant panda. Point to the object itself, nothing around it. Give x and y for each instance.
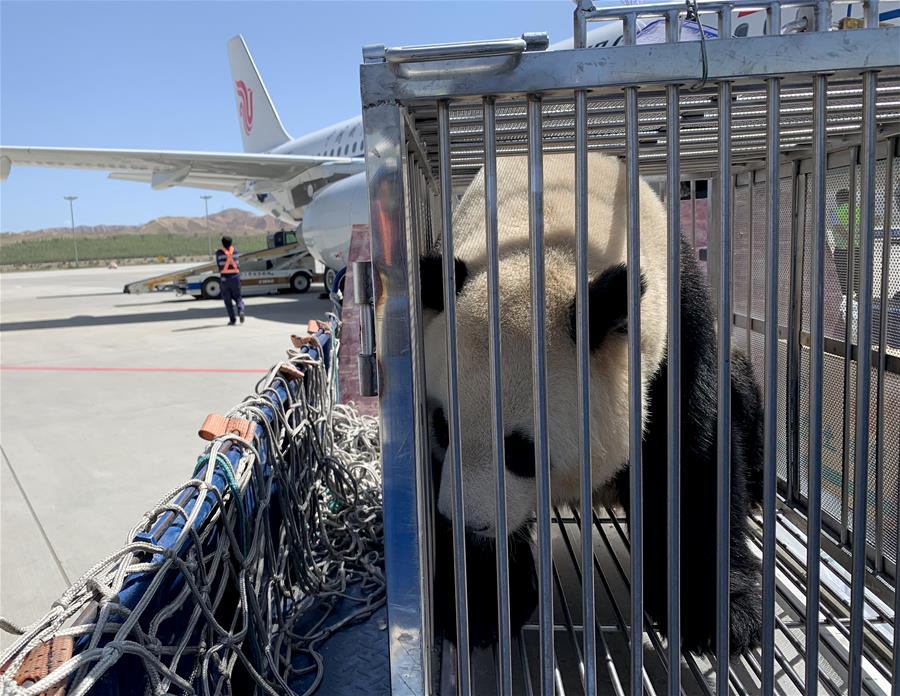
(609, 400)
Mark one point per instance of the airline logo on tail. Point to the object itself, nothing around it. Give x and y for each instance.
(245, 95)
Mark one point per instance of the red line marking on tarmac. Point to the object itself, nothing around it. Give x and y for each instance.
(51, 368)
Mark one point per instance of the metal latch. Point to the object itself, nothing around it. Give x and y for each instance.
(363, 296)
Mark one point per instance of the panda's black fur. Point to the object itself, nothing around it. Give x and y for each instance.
(698, 477)
(698, 482)
(481, 565)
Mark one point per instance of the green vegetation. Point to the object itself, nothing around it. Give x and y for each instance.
(117, 247)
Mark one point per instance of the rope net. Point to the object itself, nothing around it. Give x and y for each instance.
(232, 583)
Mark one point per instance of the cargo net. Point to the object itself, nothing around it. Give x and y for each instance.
(235, 579)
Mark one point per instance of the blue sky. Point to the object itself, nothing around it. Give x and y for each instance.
(155, 75)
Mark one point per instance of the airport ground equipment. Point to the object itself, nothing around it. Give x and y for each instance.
(775, 124)
(285, 265)
(222, 587)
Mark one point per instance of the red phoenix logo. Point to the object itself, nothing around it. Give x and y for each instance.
(245, 95)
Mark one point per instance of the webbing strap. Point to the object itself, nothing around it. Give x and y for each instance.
(230, 267)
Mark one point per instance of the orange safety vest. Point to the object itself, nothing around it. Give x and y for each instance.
(230, 267)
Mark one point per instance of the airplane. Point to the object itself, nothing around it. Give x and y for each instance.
(280, 175)
(317, 182)
(744, 23)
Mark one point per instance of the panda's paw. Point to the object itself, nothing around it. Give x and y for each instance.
(746, 621)
(482, 583)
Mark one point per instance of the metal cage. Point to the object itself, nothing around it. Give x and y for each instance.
(769, 128)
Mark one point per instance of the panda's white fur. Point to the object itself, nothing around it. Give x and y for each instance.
(698, 522)
(607, 206)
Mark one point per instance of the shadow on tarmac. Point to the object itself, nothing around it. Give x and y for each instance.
(293, 311)
(77, 294)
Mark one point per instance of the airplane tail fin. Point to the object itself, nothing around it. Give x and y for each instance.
(261, 127)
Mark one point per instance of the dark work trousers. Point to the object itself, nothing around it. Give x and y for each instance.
(231, 291)
(841, 259)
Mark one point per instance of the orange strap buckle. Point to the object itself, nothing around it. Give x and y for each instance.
(289, 372)
(300, 341)
(314, 327)
(216, 425)
(42, 660)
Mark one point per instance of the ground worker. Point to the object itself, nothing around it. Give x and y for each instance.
(840, 231)
(230, 275)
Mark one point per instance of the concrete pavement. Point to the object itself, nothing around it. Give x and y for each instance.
(101, 395)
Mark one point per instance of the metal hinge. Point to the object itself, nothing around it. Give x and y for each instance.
(365, 301)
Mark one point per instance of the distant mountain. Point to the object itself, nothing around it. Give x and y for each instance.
(231, 221)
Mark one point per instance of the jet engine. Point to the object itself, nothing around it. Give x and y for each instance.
(328, 220)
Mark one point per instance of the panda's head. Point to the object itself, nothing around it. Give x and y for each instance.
(608, 335)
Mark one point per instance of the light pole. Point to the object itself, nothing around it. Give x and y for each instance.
(72, 218)
(208, 235)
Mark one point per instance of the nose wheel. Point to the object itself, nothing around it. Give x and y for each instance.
(330, 275)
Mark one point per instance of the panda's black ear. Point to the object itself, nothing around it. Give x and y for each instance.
(607, 304)
(431, 276)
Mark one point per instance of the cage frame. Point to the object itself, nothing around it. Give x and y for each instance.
(403, 169)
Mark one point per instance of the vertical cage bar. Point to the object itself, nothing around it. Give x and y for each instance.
(426, 487)
(404, 550)
(673, 211)
(582, 335)
(816, 370)
(896, 674)
(888, 227)
(582, 313)
(895, 690)
(848, 349)
(454, 450)
(694, 215)
(724, 17)
(421, 208)
(504, 657)
(635, 387)
(412, 188)
(863, 377)
(882, 355)
(770, 409)
(579, 21)
(792, 413)
(723, 436)
(748, 312)
(539, 378)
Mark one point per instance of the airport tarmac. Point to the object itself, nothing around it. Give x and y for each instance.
(101, 395)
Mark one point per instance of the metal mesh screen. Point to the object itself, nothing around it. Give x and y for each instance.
(749, 293)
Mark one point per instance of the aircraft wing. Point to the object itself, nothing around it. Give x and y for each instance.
(162, 169)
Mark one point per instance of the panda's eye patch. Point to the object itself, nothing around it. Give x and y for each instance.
(608, 305)
(440, 428)
(519, 451)
(431, 279)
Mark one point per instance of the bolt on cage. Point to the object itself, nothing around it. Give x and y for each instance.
(769, 127)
